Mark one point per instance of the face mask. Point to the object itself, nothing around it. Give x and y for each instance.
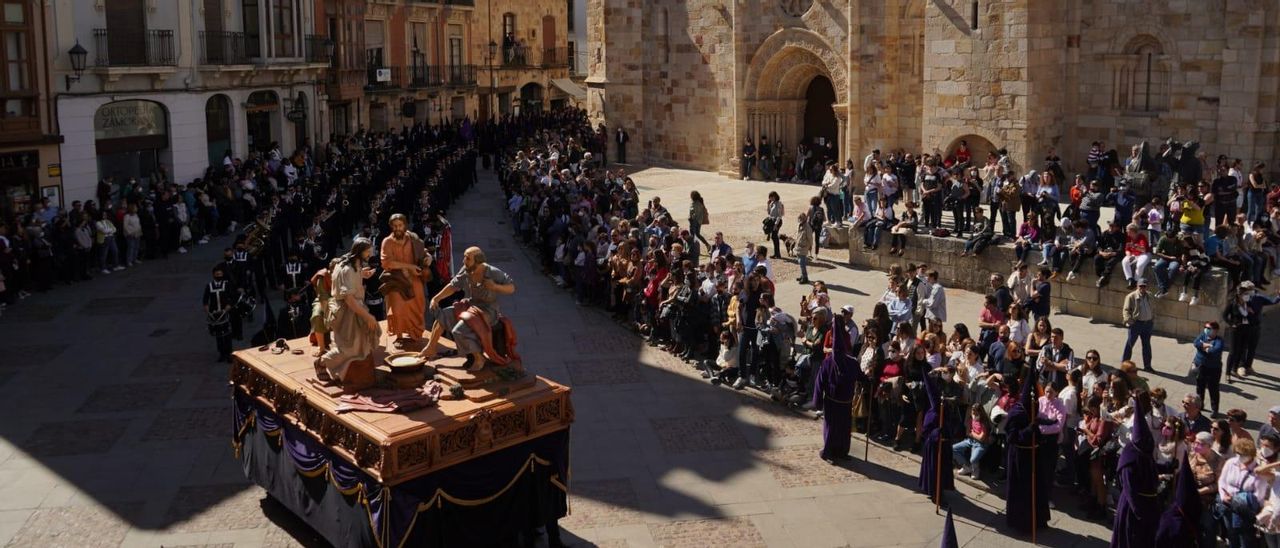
(1208, 332)
(1268, 452)
(1246, 460)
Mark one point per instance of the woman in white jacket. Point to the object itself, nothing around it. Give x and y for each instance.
(108, 250)
(132, 235)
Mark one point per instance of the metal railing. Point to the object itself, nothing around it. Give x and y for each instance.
(516, 56)
(133, 48)
(555, 57)
(426, 76)
(223, 48)
(315, 50)
(461, 75)
(390, 80)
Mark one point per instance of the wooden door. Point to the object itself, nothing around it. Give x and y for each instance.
(126, 32)
(548, 38)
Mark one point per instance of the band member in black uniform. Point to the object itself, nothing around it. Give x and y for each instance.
(295, 275)
(294, 321)
(219, 303)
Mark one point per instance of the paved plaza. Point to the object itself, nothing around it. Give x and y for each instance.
(116, 427)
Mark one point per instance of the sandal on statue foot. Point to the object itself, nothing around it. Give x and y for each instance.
(321, 373)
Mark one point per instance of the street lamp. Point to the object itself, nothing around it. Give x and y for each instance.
(329, 46)
(493, 83)
(78, 55)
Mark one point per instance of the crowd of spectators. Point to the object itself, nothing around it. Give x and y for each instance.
(714, 307)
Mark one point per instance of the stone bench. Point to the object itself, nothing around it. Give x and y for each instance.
(1078, 297)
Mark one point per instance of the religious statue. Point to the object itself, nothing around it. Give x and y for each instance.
(353, 331)
(406, 265)
(471, 320)
(321, 282)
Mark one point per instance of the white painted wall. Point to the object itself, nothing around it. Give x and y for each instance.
(188, 145)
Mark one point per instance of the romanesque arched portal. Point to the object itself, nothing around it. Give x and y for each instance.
(777, 85)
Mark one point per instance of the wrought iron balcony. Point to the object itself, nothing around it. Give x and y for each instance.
(133, 48)
(316, 52)
(383, 78)
(426, 76)
(223, 48)
(555, 57)
(461, 75)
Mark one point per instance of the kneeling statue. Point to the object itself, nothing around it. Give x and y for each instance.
(471, 320)
(354, 332)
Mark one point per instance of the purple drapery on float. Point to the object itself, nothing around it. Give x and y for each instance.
(520, 487)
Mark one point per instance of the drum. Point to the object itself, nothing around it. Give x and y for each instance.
(219, 324)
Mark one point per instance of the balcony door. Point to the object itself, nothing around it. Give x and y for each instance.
(251, 20)
(213, 16)
(126, 32)
(215, 42)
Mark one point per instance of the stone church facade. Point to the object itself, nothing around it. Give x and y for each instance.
(691, 79)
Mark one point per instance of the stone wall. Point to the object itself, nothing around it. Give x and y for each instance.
(1078, 297)
(693, 78)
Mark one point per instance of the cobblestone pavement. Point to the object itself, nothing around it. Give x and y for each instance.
(114, 413)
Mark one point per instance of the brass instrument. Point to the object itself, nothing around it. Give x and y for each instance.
(255, 237)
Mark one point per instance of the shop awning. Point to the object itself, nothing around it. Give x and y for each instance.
(570, 88)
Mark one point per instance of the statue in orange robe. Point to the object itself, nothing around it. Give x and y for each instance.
(403, 260)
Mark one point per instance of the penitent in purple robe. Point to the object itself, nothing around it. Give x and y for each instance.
(933, 446)
(833, 388)
(1021, 432)
(1179, 523)
(1137, 512)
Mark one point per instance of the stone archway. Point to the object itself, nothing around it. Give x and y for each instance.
(977, 145)
(776, 85)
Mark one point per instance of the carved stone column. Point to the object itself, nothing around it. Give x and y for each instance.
(842, 131)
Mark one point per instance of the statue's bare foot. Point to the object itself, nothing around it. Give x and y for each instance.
(428, 353)
(476, 363)
(319, 352)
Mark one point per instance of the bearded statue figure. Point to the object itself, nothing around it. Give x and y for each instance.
(354, 332)
(471, 320)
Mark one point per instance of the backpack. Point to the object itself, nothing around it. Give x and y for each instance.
(817, 219)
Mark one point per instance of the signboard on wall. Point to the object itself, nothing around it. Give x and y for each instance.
(125, 119)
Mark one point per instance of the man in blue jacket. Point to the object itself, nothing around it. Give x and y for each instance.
(1208, 363)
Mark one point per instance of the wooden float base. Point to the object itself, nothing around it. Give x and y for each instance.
(494, 413)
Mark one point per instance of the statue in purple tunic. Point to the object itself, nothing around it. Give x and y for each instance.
(833, 387)
(932, 433)
(1179, 523)
(1138, 511)
(1022, 432)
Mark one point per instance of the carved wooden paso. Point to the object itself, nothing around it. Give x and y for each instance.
(395, 447)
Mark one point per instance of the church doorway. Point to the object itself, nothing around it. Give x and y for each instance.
(820, 126)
